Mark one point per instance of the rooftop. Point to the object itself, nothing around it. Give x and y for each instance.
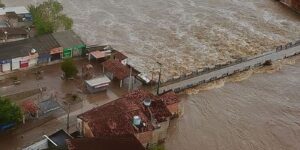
(43, 44)
(106, 143)
(68, 39)
(170, 98)
(17, 10)
(12, 32)
(118, 55)
(119, 70)
(117, 116)
(59, 138)
(98, 80)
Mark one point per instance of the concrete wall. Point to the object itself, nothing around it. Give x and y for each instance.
(207, 75)
(161, 133)
(87, 132)
(145, 137)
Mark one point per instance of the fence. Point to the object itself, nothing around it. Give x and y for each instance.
(209, 74)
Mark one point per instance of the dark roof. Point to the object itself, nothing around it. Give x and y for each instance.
(67, 39)
(106, 143)
(118, 55)
(12, 32)
(117, 116)
(59, 138)
(11, 15)
(119, 70)
(43, 44)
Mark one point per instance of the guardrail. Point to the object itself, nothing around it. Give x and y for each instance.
(219, 71)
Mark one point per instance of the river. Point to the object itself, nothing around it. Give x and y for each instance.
(262, 112)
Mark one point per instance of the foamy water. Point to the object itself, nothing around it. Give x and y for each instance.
(183, 35)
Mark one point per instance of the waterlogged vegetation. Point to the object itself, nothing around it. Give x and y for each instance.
(48, 17)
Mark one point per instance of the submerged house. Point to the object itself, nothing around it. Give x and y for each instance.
(138, 113)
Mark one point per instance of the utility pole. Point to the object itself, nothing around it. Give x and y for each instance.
(159, 77)
(68, 118)
(130, 79)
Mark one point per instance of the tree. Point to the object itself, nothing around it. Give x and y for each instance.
(69, 68)
(9, 112)
(48, 17)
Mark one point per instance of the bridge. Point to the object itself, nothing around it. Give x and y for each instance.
(208, 75)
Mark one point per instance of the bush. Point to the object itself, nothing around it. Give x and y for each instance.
(48, 17)
(69, 68)
(9, 112)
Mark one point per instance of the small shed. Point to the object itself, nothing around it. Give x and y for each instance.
(97, 84)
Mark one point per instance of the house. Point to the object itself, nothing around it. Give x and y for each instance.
(12, 34)
(99, 53)
(97, 84)
(26, 53)
(72, 45)
(106, 143)
(115, 69)
(138, 113)
(18, 17)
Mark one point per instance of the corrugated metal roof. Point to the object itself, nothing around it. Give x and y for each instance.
(97, 81)
(17, 10)
(43, 44)
(67, 39)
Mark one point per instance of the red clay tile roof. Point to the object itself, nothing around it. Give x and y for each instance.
(106, 143)
(170, 98)
(116, 118)
(120, 56)
(117, 68)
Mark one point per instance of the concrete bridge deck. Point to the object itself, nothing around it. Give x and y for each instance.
(194, 80)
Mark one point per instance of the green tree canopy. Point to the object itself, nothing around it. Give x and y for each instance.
(9, 112)
(69, 68)
(48, 17)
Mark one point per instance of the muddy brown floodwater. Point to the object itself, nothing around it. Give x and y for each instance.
(262, 112)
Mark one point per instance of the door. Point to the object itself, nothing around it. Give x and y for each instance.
(6, 67)
(15, 64)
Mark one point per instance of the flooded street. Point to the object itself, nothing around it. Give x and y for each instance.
(262, 112)
(191, 34)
